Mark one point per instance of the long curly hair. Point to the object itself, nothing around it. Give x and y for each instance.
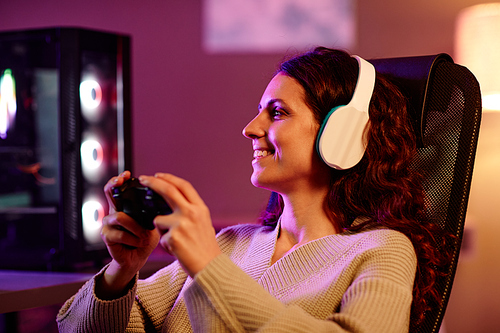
(383, 186)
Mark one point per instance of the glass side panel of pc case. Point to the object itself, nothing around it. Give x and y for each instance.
(64, 109)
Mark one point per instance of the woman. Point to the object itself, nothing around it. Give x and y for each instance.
(338, 251)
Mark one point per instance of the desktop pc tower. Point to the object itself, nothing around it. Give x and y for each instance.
(64, 131)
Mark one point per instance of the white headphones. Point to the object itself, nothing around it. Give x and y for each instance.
(340, 138)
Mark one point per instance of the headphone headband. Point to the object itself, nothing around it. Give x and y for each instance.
(340, 138)
(364, 86)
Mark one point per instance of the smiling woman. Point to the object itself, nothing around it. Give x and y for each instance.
(337, 250)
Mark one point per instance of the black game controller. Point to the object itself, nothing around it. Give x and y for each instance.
(139, 202)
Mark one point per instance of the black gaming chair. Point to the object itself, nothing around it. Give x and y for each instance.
(445, 105)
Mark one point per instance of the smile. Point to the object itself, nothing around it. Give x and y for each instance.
(261, 153)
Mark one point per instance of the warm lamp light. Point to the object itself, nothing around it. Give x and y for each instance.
(477, 46)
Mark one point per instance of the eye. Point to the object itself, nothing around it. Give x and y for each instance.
(277, 113)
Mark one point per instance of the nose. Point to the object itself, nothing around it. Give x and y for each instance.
(255, 128)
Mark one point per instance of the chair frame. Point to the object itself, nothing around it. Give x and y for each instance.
(418, 78)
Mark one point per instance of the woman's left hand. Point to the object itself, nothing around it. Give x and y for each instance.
(187, 233)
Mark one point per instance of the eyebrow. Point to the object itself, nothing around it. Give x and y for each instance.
(273, 101)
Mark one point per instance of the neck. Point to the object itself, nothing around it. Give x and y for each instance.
(303, 220)
(304, 217)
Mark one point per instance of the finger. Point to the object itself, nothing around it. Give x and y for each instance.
(122, 221)
(113, 234)
(166, 235)
(167, 190)
(183, 186)
(165, 245)
(117, 181)
(164, 223)
(114, 182)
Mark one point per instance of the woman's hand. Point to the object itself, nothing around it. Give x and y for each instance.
(128, 243)
(187, 233)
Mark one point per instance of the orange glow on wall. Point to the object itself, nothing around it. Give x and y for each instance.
(477, 46)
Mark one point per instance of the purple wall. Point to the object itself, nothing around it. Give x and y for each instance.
(189, 108)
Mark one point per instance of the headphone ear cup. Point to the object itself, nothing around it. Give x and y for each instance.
(340, 140)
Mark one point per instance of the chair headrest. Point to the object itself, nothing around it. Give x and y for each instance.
(413, 76)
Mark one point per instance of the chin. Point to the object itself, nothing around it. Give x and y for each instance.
(259, 182)
(255, 181)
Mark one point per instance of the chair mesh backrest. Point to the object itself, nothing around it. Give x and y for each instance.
(445, 106)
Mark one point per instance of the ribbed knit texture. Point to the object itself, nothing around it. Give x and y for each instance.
(340, 283)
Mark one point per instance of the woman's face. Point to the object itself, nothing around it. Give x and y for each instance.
(283, 136)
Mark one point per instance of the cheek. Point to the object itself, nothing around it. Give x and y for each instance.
(302, 151)
(297, 141)
(306, 140)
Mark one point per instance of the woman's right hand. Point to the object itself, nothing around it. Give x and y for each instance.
(129, 245)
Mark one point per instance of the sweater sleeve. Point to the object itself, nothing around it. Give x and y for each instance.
(85, 312)
(143, 309)
(376, 298)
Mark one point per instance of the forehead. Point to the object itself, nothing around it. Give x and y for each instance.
(284, 88)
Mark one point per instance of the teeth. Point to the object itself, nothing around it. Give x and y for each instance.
(261, 153)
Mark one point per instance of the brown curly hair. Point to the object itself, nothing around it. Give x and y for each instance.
(383, 186)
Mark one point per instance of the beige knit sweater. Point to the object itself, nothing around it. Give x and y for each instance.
(350, 282)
